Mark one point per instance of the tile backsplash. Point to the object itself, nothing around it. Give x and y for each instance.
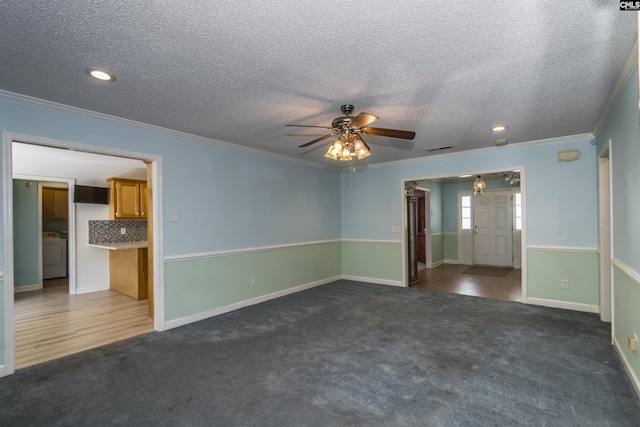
(108, 231)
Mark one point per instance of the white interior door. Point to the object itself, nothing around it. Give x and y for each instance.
(493, 228)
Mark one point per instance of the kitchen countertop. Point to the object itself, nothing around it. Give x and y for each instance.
(119, 246)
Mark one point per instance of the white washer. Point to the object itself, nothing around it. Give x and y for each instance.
(54, 255)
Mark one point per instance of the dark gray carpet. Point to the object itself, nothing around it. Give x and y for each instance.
(488, 271)
(342, 354)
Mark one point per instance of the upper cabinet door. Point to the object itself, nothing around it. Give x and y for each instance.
(127, 199)
(143, 200)
(55, 203)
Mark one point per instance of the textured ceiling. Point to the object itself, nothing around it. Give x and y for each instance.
(238, 71)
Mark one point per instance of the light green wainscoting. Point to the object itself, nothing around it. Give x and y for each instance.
(200, 285)
(437, 248)
(451, 247)
(547, 268)
(375, 261)
(626, 294)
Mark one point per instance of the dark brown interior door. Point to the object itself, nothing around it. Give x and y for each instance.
(412, 238)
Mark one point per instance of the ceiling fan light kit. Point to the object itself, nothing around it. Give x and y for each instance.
(349, 143)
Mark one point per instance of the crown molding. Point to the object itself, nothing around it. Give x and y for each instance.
(624, 77)
(514, 146)
(54, 106)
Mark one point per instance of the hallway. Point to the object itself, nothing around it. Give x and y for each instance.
(451, 278)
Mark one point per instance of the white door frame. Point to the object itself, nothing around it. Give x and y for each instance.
(8, 138)
(403, 211)
(605, 236)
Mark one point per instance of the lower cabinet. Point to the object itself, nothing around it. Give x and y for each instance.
(128, 271)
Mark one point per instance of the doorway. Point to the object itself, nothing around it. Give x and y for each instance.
(155, 250)
(448, 214)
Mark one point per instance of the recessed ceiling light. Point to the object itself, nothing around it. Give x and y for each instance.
(101, 75)
(464, 176)
(498, 128)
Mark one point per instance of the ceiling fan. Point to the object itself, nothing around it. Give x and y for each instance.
(348, 129)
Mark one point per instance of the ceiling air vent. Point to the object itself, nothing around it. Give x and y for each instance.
(440, 148)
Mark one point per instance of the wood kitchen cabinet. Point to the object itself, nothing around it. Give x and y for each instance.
(127, 199)
(55, 203)
(128, 272)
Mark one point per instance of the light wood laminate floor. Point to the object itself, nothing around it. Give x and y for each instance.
(50, 323)
(450, 278)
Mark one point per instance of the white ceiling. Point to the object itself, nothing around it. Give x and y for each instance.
(85, 168)
(239, 71)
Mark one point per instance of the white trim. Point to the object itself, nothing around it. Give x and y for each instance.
(7, 228)
(216, 254)
(373, 280)
(561, 248)
(49, 105)
(450, 233)
(438, 234)
(587, 308)
(26, 288)
(627, 366)
(170, 324)
(630, 272)
(395, 242)
(92, 289)
(604, 232)
(437, 263)
(511, 146)
(623, 78)
(451, 261)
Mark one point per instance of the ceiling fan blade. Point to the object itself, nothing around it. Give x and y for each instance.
(317, 140)
(363, 119)
(310, 126)
(357, 136)
(392, 133)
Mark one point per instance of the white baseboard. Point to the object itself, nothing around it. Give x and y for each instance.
(437, 263)
(373, 280)
(91, 289)
(238, 305)
(627, 366)
(587, 308)
(26, 288)
(2, 371)
(451, 261)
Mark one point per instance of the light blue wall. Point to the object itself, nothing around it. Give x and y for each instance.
(25, 233)
(561, 204)
(623, 129)
(436, 207)
(227, 199)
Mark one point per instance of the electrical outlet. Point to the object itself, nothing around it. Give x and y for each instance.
(123, 231)
(632, 341)
(253, 281)
(329, 265)
(564, 284)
